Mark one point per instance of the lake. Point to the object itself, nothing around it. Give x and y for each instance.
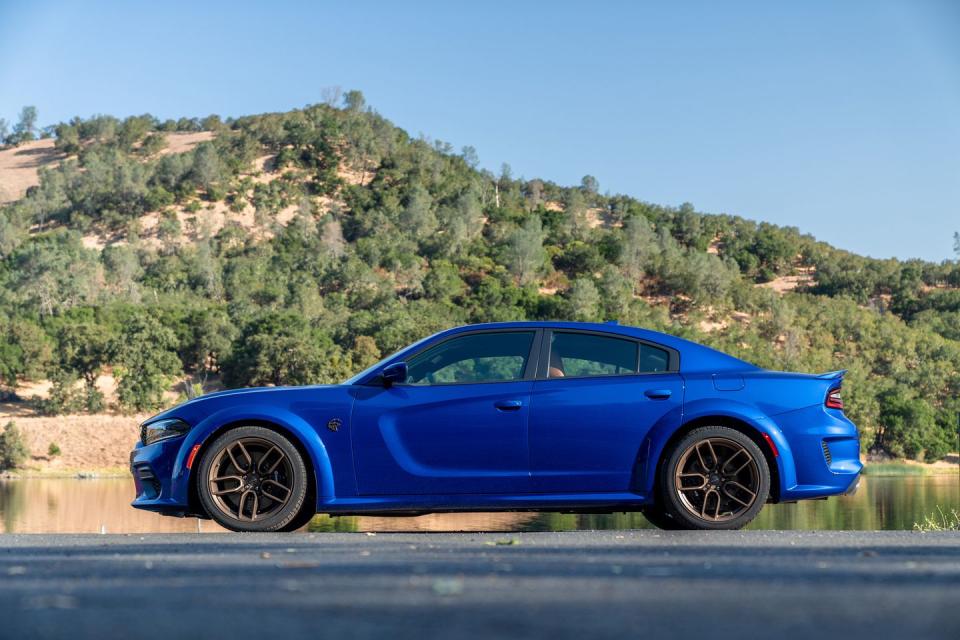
(103, 505)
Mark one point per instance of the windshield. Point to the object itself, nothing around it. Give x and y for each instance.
(363, 374)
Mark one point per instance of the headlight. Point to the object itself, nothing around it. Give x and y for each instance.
(162, 430)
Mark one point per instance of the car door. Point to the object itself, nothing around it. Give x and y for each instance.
(458, 425)
(595, 398)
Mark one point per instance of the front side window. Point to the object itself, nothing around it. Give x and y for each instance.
(480, 357)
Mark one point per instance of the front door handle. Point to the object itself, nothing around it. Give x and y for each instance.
(508, 405)
(658, 394)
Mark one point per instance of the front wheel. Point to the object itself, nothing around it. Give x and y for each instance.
(714, 478)
(254, 479)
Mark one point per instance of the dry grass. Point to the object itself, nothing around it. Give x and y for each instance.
(183, 142)
(89, 443)
(19, 167)
(939, 521)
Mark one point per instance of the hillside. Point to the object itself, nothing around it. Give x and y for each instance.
(297, 247)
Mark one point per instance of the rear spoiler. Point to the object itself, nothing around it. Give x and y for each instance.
(832, 375)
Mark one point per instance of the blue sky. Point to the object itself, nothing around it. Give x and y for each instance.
(840, 118)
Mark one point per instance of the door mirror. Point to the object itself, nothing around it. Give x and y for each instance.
(395, 373)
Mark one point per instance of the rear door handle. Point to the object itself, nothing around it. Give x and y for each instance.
(658, 394)
(508, 405)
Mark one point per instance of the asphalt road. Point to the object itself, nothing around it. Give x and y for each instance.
(755, 584)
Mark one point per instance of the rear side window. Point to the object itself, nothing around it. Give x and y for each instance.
(584, 354)
(653, 360)
(479, 357)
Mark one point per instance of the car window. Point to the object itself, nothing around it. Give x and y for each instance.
(584, 354)
(479, 357)
(653, 359)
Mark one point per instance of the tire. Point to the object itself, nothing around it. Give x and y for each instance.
(301, 519)
(254, 479)
(697, 486)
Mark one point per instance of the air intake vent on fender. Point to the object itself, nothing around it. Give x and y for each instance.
(826, 452)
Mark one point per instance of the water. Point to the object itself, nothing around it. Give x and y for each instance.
(95, 506)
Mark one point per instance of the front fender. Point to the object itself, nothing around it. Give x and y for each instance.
(661, 433)
(290, 422)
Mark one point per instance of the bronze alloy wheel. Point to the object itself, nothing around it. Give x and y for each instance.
(251, 479)
(717, 479)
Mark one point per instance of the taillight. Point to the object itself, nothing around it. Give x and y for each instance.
(834, 401)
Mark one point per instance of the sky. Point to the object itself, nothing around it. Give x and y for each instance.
(839, 118)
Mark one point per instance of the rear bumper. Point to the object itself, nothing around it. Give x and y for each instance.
(826, 452)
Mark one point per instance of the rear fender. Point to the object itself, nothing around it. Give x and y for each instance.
(698, 410)
(293, 424)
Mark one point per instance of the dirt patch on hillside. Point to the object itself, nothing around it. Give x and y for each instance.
(784, 284)
(19, 167)
(87, 442)
(183, 142)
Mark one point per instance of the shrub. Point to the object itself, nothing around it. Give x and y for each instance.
(13, 450)
(53, 450)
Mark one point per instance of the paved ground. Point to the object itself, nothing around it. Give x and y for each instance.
(553, 585)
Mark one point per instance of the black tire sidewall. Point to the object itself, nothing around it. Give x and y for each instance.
(667, 494)
(275, 522)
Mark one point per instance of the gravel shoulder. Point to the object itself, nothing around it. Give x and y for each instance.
(788, 584)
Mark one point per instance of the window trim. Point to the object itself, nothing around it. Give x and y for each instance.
(529, 371)
(673, 356)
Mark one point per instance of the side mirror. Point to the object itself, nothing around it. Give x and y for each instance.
(395, 373)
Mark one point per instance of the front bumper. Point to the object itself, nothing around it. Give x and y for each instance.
(152, 467)
(853, 487)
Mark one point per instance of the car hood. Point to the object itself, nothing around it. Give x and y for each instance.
(201, 404)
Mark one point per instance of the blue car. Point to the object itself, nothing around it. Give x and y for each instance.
(517, 416)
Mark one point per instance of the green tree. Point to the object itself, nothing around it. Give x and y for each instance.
(910, 428)
(639, 247)
(24, 352)
(469, 155)
(206, 170)
(82, 350)
(584, 300)
(354, 102)
(13, 450)
(525, 253)
(281, 349)
(590, 185)
(147, 361)
(364, 353)
(418, 216)
(26, 127)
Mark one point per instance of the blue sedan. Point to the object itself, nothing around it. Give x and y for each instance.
(519, 416)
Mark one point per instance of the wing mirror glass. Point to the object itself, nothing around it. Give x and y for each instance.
(395, 373)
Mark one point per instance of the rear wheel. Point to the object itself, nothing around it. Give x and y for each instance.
(254, 479)
(714, 478)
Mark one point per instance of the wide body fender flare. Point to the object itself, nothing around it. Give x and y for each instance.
(658, 436)
(287, 421)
